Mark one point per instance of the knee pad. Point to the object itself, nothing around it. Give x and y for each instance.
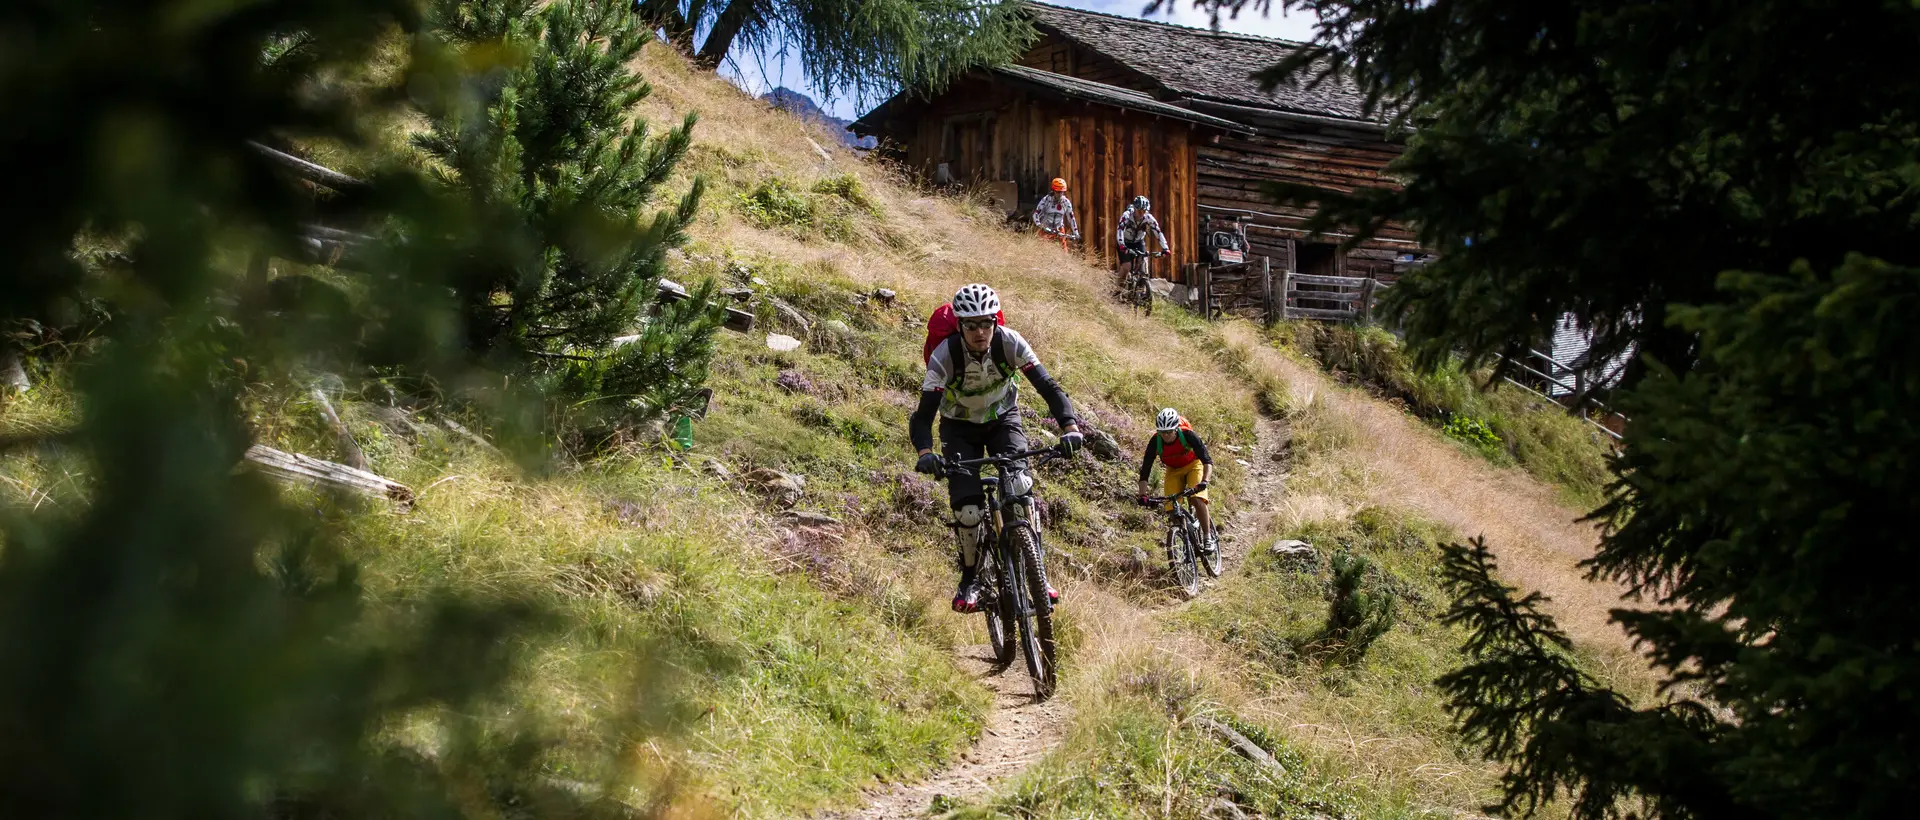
(969, 516)
(967, 532)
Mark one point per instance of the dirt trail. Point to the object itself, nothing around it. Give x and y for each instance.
(1266, 487)
(1018, 732)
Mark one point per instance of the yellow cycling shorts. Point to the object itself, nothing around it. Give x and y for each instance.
(1177, 479)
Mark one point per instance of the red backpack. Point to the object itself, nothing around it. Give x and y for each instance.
(943, 324)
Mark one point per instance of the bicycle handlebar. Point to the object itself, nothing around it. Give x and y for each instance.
(1001, 461)
(1182, 494)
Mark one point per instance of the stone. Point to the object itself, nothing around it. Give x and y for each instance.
(782, 342)
(1243, 462)
(1296, 553)
(885, 296)
(789, 314)
(783, 488)
(811, 519)
(1104, 446)
(1163, 288)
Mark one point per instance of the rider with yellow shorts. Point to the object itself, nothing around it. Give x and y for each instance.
(1187, 464)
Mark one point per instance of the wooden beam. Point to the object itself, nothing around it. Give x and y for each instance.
(301, 469)
(309, 171)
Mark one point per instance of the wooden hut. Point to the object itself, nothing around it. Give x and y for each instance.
(1119, 106)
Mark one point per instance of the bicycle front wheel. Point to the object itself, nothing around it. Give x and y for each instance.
(999, 612)
(1036, 619)
(1180, 561)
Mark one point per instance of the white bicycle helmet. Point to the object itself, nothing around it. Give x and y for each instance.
(1141, 204)
(975, 300)
(1169, 419)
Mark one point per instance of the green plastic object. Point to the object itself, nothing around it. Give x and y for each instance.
(683, 432)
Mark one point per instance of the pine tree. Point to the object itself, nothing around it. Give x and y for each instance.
(543, 150)
(1732, 189)
(864, 48)
(178, 639)
(1356, 615)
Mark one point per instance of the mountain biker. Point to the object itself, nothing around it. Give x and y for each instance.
(1136, 222)
(970, 385)
(1056, 211)
(1188, 467)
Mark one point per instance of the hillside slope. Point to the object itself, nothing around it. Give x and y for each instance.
(758, 627)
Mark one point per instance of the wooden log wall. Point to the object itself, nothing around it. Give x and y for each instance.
(1108, 156)
(1233, 170)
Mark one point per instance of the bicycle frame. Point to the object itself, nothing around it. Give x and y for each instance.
(1183, 535)
(1018, 606)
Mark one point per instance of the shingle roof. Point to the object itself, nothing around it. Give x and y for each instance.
(1059, 85)
(1201, 63)
(1076, 88)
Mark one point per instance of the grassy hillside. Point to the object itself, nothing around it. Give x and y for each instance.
(785, 659)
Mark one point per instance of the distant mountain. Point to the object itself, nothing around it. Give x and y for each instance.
(803, 106)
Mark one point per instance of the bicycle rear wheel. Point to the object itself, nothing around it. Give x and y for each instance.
(1210, 559)
(1036, 618)
(1180, 560)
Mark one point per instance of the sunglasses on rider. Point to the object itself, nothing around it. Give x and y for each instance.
(976, 324)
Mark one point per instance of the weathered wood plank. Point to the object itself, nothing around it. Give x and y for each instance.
(1318, 313)
(303, 469)
(1347, 281)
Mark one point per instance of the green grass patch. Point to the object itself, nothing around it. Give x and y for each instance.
(1506, 426)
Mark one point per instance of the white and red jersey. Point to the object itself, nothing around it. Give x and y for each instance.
(1134, 227)
(1055, 213)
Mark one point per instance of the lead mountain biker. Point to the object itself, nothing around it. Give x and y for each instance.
(970, 385)
(1136, 222)
(1055, 211)
(1188, 466)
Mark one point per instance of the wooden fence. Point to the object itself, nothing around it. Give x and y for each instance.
(1256, 291)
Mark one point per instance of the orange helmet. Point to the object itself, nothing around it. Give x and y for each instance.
(1059, 184)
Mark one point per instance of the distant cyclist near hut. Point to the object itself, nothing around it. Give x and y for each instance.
(1053, 215)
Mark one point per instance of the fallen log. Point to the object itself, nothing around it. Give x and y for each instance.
(1240, 744)
(295, 468)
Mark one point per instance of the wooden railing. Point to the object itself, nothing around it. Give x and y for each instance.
(1351, 297)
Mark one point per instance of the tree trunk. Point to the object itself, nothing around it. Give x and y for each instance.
(726, 27)
(665, 15)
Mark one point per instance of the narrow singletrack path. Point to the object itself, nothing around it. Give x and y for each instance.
(1018, 732)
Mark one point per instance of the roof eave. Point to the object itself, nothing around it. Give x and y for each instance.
(1240, 107)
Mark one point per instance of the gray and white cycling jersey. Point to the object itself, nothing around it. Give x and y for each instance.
(1054, 211)
(1134, 227)
(983, 393)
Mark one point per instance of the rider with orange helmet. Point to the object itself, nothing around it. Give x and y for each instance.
(1054, 213)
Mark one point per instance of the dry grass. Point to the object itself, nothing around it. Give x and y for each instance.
(781, 709)
(1361, 451)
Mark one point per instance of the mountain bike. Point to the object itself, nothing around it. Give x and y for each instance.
(1013, 568)
(1135, 290)
(1066, 239)
(1185, 553)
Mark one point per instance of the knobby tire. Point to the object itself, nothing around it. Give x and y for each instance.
(1036, 620)
(999, 612)
(1210, 561)
(1180, 559)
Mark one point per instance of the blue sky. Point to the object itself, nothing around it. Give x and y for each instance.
(764, 74)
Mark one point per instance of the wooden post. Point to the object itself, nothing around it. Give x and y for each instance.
(1266, 288)
(1366, 301)
(1286, 286)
